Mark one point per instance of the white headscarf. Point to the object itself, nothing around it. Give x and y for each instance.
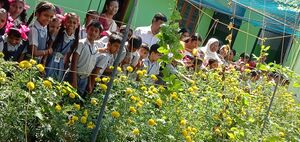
(208, 54)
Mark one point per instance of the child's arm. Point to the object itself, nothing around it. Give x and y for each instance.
(92, 78)
(37, 53)
(73, 69)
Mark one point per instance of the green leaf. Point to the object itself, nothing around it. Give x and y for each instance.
(163, 50)
(231, 136)
(296, 85)
(38, 114)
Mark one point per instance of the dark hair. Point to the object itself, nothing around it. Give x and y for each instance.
(234, 52)
(96, 24)
(60, 35)
(194, 37)
(135, 42)
(5, 4)
(122, 29)
(2, 30)
(211, 61)
(107, 3)
(89, 13)
(183, 30)
(115, 37)
(44, 6)
(145, 46)
(159, 16)
(14, 32)
(154, 48)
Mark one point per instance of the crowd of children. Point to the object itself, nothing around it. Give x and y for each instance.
(79, 53)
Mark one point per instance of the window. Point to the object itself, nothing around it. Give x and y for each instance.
(190, 15)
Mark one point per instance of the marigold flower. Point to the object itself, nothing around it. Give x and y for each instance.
(91, 125)
(103, 86)
(105, 79)
(184, 133)
(97, 79)
(83, 119)
(129, 69)
(132, 109)
(85, 113)
(32, 61)
(77, 106)
(40, 67)
(30, 86)
(153, 77)
(129, 91)
(159, 102)
(47, 84)
(115, 114)
(174, 96)
(136, 131)
(119, 69)
(94, 101)
(133, 98)
(151, 122)
(57, 108)
(72, 95)
(74, 118)
(1, 55)
(188, 139)
(183, 122)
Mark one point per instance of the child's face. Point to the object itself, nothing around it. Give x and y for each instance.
(214, 65)
(154, 56)
(16, 9)
(3, 19)
(54, 27)
(194, 44)
(13, 40)
(71, 24)
(114, 47)
(93, 33)
(45, 17)
(143, 53)
(90, 18)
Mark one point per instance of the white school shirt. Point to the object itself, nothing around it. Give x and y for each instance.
(83, 33)
(104, 61)
(133, 57)
(9, 46)
(146, 34)
(152, 68)
(33, 33)
(88, 56)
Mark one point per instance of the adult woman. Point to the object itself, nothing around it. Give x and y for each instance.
(210, 50)
(106, 18)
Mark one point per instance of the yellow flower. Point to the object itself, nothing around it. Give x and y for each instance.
(74, 118)
(123, 77)
(85, 113)
(140, 104)
(247, 70)
(133, 98)
(183, 122)
(144, 72)
(136, 131)
(77, 106)
(25, 64)
(57, 108)
(174, 96)
(2, 79)
(195, 88)
(140, 73)
(30, 86)
(188, 139)
(194, 130)
(159, 102)
(115, 114)
(129, 121)
(144, 88)
(129, 91)
(83, 119)
(1, 55)
(132, 109)
(129, 69)
(119, 69)
(103, 86)
(47, 84)
(281, 134)
(32, 61)
(94, 101)
(71, 122)
(228, 120)
(151, 122)
(40, 67)
(184, 133)
(72, 95)
(91, 125)
(111, 67)
(218, 131)
(105, 79)
(97, 79)
(153, 77)
(195, 52)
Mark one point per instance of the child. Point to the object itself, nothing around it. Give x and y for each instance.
(106, 58)
(12, 45)
(212, 64)
(3, 21)
(143, 53)
(129, 56)
(17, 11)
(63, 46)
(90, 15)
(38, 31)
(150, 63)
(53, 27)
(84, 59)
